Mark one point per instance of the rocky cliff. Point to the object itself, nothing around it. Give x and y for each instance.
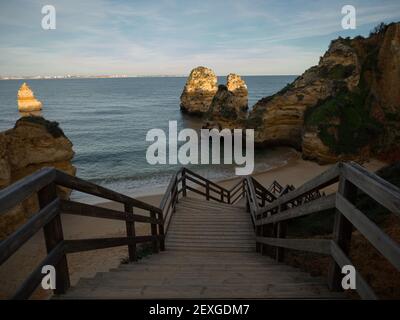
(346, 107)
(226, 110)
(201, 96)
(236, 85)
(33, 143)
(199, 91)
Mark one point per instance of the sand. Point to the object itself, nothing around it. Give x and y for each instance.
(87, 264)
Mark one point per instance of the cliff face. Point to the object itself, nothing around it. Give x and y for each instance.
(32, 144)
(201, 96)
(199, 91)
(236, 85)
(226, 110)
(279, 119)
(346, 107)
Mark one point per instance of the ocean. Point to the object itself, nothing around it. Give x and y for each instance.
(107, 121)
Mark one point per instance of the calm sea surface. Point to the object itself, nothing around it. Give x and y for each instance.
(107, 121)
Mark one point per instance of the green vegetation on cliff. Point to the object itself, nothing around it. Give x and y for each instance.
(344, 122)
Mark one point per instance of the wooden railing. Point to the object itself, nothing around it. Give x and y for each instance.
(44, 183)
(270, 209)
(271, 220)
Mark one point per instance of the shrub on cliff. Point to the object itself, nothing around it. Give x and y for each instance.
(344, 122)
(52, 127)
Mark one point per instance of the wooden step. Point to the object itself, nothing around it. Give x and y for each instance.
(210, 253)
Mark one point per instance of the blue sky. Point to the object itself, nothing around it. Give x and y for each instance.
(95, 37)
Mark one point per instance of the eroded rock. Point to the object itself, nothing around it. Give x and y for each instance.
(32, 144)
(199, 90)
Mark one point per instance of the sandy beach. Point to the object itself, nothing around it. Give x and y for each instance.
(87, 264)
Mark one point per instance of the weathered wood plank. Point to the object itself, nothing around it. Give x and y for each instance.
(22, 189)
(342, 231)
(72, 246)
(311, 245)
(204, 179)
(377, 188)
(321, 181)
(78, 184)
(53, 235)
(315, 206)
(168, 191)
(82, 209)
(130, 231)
(380, 240)
(12, 243)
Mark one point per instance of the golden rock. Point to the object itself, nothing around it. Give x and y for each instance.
(26, 100)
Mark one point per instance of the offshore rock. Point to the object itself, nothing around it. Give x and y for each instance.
(26, 100)
(199, 91)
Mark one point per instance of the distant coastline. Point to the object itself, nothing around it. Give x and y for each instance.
(117, 76)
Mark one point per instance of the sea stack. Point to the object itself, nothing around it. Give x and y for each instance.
(26, 100)
(226, 111)
(238, 87)
(199, 91)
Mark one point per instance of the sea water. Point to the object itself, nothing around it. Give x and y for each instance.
(107, 121)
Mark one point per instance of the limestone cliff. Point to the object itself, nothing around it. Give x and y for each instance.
(226, 110)
(238, 87)
(346, 107)
(199, 91)
(33, 143)
(26, 100)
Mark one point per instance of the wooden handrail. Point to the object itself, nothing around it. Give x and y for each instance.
(307, 200)
(321, 181)
(17, 192)
(12, 243)
(44, 182)
(275, 209)
(78, 184)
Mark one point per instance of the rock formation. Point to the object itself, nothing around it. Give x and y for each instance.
(33, 143)
(226, 111)
(199, 91)
(346, 107)
(238, 87)
(26, 100)
(279, 119)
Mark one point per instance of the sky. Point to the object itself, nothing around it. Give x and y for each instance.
(170, 37)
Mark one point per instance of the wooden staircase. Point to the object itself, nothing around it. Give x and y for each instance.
(210, 253)
(208, 241)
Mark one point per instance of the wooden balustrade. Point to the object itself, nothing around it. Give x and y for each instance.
(270, 210)
(43, 183)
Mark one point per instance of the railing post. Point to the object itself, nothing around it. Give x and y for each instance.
(130, 232)
(281, 228)
(53, 235)
(342, 231)
(184, 183)
(175, 195)
(222, 196)
(154, 232)
(229, 197)
(161, 231)
(207, 190)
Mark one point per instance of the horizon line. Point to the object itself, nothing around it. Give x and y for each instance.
(72, 77)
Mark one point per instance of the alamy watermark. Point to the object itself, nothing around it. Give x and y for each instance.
(234, 143)
(349, 21)
(349, 280)
(49, 280)
(49, 19)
